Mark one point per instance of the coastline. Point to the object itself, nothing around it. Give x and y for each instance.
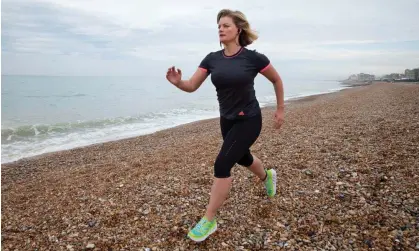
(40, 155)
(349, 156)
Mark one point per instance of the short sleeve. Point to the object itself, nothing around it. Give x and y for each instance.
(262, 62)
(205, 64)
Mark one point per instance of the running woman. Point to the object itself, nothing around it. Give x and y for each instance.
(233, 70)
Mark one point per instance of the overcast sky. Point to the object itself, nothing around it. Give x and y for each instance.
(309, 39)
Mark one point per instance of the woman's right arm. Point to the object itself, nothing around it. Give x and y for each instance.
(190, 85)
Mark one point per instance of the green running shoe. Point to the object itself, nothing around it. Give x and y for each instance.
(270, 182)
(203, 229)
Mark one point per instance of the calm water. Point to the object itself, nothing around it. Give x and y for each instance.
(45, 114)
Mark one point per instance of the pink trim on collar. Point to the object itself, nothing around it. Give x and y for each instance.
(235, 54)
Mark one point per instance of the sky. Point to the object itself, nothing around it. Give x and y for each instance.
(325, 39)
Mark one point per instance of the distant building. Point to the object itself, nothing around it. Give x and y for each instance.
(409, 74)
(365, 77)
(353, 77)
(412, 74)
(394, 76)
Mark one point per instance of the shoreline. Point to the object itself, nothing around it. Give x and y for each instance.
(347, 180)
(293, 99)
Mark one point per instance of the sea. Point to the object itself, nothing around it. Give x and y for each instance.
(42, 114)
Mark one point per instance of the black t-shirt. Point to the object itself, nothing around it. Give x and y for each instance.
(233, 77)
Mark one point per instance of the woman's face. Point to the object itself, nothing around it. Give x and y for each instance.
(227, 30)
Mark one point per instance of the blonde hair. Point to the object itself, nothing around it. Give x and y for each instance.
(247, 35)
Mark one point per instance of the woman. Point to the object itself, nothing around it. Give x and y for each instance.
(233, 70)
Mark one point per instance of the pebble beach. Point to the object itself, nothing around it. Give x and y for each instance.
(348, 179)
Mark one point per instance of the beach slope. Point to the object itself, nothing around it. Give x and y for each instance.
(347, 164)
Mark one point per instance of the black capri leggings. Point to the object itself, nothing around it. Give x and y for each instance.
(238, 135)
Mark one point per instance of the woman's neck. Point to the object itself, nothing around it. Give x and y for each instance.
(231, 49)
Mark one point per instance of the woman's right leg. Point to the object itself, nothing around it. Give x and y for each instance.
(268, 177)
(257, 167)
(254, 164)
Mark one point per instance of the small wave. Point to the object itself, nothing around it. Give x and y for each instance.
(36, 131)
(26, 141)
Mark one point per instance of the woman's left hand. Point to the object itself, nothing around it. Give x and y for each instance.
(279, 117)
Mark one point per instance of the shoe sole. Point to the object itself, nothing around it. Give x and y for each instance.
(203, 238)
(273, 181)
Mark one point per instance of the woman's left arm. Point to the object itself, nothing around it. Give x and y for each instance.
(272, 75)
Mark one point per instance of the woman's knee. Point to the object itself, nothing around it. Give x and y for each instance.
(222, 169)
(246, 160)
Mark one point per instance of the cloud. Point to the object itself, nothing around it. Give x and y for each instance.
(129, 37)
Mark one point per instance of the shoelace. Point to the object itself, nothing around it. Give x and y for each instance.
(201, 226)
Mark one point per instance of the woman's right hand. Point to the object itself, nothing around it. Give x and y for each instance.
(174, 76)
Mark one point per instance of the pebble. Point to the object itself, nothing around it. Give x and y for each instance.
(91, 223)
(90, 246)
(308, 172)
(73, 235)
(281, 244)
(368, 243)
(311, 233)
